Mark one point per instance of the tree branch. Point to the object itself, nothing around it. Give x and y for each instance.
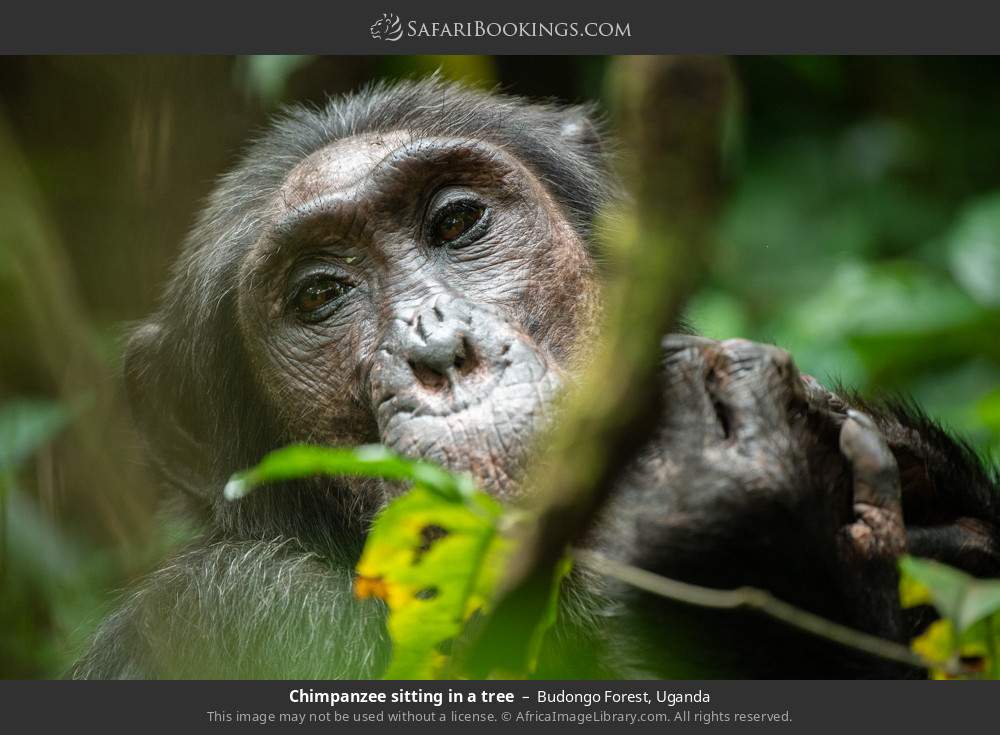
(758, 600)
(672, 113)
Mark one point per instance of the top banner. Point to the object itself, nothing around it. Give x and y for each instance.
(513, 27)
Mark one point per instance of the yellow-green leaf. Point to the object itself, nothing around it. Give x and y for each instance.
(426, 556)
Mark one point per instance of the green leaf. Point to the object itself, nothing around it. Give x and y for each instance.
(429, 557)
(969, 630)
(435, 554)
(551, 615)
(987, 409)
(961, 598)
(26, 425)
(974, 249)
(373, 460)
(937, 644)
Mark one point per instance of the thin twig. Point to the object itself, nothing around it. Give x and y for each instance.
(758, 600)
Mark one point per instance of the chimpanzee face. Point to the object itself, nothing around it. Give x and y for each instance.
(427, 293)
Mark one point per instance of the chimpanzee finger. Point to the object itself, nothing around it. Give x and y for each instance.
(878, 533)
(876, 476)
(821, 400)
(753, 386)
(689, 407)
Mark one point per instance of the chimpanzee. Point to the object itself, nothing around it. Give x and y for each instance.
(413, 265)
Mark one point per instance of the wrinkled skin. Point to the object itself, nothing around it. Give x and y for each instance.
(459, 385)
(355, 280)
(451, 351)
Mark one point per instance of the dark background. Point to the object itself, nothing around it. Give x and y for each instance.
(862, 233)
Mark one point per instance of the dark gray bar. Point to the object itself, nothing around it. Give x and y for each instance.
(687, 706)
(329, 27)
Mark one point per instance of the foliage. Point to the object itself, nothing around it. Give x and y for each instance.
(433, 559)
(968, 632)
(36, 560)
(434, 553)
(374, 460)
(865, 239)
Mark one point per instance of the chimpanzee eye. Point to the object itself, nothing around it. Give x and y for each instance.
(318, 292)
(456, 220)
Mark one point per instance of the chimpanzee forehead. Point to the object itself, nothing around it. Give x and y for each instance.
(351, 163)
(339, 165)
(336, 190)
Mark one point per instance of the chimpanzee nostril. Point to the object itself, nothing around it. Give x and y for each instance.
(437, 344)
(465, 358)
(427, 376)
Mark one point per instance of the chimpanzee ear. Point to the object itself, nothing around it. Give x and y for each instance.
(581, 127)
(155, 389)
(589, 181)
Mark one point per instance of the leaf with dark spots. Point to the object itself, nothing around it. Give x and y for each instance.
(428, 535)
(435, 559)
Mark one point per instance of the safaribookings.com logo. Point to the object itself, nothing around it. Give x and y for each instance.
(387, 28)
(390, 28)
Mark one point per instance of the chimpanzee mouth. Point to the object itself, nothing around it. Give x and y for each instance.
(490, 435)
(511, 386)
(458, 384)
(442, 404)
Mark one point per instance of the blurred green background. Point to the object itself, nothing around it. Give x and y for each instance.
(862, 233)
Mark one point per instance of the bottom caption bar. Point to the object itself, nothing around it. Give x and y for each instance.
(792, 706)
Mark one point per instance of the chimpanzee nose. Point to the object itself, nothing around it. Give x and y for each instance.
(438, 345)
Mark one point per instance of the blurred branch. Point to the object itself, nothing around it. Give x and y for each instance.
(672, 113)
(57, 334)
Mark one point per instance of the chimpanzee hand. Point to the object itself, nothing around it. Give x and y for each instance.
(761, 477)
(950, 496)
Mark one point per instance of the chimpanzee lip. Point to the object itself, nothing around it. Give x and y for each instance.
(409, 401)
